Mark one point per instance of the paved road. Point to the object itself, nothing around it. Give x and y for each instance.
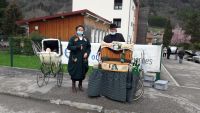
(186, 74)
(11, 104)
(177, 99)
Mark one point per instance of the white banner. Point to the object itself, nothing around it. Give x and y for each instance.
(65, 56)
(150, 55)
(93, 58)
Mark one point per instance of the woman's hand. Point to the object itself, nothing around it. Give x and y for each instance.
(80, 47)
(85, 55)
(110, 45)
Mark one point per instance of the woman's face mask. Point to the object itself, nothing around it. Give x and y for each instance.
(112, 33)
(79, 33)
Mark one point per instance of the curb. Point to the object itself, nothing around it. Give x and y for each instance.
(78, 105)
(23, 95)
(19, 68)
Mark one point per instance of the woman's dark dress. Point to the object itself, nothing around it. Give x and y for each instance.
(77, 65)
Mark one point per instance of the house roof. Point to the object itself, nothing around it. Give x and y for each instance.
(82, 12)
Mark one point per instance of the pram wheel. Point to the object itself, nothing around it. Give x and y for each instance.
(54, 69)
(46, 78)
(40, 79)
(60, 77)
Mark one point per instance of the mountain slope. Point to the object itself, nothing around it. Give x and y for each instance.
(36, 8)
(170, 8)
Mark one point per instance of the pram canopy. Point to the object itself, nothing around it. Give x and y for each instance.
(51, 51)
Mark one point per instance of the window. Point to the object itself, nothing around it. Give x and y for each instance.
(118, 4)
(36, 28)
(97, 36)
(117, 21)
(93, 35)
(104, 34)
(100, 36)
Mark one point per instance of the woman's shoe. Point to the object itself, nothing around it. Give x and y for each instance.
(74, 87)
(80, 86)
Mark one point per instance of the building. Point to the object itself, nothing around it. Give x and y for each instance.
(142, 26)
(120, 12)
(149, 38)
(136, 15)
(62, 26)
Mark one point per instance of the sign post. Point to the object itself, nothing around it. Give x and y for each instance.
(11, 51)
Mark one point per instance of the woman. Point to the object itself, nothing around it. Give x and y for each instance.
(80, 48)
(164, 52)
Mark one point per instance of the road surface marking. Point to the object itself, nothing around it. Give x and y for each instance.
(190, 87)
(177, 84)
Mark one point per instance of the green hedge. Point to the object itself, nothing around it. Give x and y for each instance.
(36, 38)
(196, 46)
(15, 42)
(22, 45)
(187, 46)
(27, 49)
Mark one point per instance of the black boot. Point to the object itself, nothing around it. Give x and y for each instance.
(74, 86)
(80, 86)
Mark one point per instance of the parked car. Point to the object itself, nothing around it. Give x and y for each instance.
(197, 57)
(189, 55)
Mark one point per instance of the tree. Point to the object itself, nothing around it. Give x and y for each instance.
(192, 26)
(3, 5)
(179, 36)
(12, 14)
(157, 21)
(167, 34)
(191, 23)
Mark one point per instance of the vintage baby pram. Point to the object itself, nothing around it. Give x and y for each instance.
(50, 58)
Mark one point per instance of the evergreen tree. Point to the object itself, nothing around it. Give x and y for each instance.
(3, 5)
(157, 21)
(191, 23)
(167, 34)
(12, 14)
(192, 26)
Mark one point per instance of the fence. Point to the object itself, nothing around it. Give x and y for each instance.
(18, 52)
